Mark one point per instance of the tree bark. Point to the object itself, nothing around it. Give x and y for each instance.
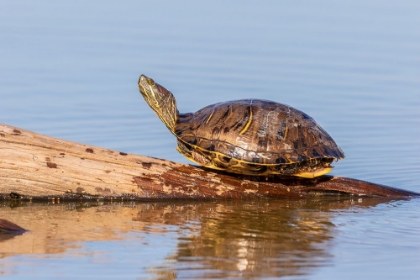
(35, 166)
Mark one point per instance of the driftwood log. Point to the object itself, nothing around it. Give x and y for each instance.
(37, 166)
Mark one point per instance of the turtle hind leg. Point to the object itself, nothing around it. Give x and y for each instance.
(313, 174)
(314, 168)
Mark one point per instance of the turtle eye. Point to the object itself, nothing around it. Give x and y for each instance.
(150, 82)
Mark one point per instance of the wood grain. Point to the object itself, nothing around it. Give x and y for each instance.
(38, 166)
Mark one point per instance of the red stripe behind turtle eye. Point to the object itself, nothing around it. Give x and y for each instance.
(162, 89)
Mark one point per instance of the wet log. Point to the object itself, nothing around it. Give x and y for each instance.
(37, 166)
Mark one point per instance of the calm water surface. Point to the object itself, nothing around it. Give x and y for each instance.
(70, 70)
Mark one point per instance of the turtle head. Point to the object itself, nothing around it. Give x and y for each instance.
(160, 100)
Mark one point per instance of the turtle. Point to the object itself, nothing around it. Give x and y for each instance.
(250, 136)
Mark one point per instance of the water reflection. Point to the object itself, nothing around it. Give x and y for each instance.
(271, 238)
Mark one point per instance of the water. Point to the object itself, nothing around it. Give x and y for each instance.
(69, 70)
(320, 239)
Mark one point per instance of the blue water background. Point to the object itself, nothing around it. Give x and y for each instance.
(69, 69)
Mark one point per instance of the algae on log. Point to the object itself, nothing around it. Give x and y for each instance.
(38, 166)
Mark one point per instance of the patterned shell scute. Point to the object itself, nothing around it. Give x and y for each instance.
(257, 131)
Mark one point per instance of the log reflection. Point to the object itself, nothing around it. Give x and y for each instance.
(271, 238)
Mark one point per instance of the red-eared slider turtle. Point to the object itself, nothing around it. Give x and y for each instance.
(249, 136)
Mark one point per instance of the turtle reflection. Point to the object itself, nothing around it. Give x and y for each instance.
(264, 238)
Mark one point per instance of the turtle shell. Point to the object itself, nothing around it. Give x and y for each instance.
(256, 137)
